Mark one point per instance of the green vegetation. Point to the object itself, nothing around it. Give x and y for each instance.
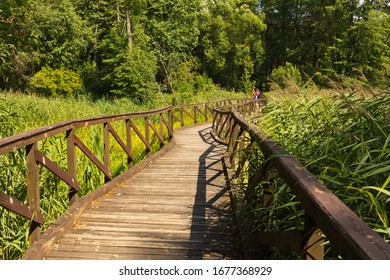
(82, 58)
(49, 82)
(343, 139)
(123, 48)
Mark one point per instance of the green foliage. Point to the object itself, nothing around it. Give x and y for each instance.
(284, 75)
(371, 47)
(187, 80)
(54, 82)
(134, 76)
(56, 33)
(11, 64)
(40, 33)
(329, 37)
(173, 28)
(231, 46)
(130, 48)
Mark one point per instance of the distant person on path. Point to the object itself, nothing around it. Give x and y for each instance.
(256, 93)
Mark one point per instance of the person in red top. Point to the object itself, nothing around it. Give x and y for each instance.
(256, 94)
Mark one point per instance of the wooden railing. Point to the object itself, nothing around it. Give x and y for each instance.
(349, 236)
(159, 123)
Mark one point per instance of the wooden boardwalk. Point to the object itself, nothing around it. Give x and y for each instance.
(175, 208)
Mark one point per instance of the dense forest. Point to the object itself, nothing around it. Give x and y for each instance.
(133, 48)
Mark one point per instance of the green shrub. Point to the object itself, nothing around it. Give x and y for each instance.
(285, 75)
(56, 82)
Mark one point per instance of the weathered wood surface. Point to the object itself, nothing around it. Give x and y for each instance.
(175, 208)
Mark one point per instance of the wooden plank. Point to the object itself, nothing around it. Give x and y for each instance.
(134, 249)
(136, 237)
(118, 231)
(110, 256)
(149, 243)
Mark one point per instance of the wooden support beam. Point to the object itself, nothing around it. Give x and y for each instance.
(139, 134)
(106, 153)
(92, 157)
(129, 143)
(46, 162)
(72, 164)
(161, 124)
(147, 137)
(33, 190)
(18, 207)
(120, 142)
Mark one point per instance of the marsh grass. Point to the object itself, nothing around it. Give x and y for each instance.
(344, 140)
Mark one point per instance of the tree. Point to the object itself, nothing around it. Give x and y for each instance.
(42, 33)
(369, 45)
(327, 36)
(173, 28)
(231, 46)
(56, 33)
(128, 74)
(124, 59)
(8, 42)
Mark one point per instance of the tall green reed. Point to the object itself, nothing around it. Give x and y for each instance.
(344, 141)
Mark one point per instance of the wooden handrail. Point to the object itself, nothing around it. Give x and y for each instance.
(349, 235)
(34, 157)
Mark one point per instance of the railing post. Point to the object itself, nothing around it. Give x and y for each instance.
(221, 125)
(147, 135)
(170, 123)
(33, 189)
(195, 115)
(234, 131)
(106, 154)
(161, 129)
(72, 163)
(214, 116)
(206, 111)
(182, 115)
(129, 143)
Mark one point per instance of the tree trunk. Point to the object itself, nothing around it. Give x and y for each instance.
(118, 13)
(129, 34)
(96, 38)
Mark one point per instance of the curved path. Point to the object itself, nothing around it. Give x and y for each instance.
(177, 207)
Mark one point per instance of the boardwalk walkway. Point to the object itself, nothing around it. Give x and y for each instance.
(175, 208)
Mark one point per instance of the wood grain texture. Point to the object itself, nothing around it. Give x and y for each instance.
(177, 207)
